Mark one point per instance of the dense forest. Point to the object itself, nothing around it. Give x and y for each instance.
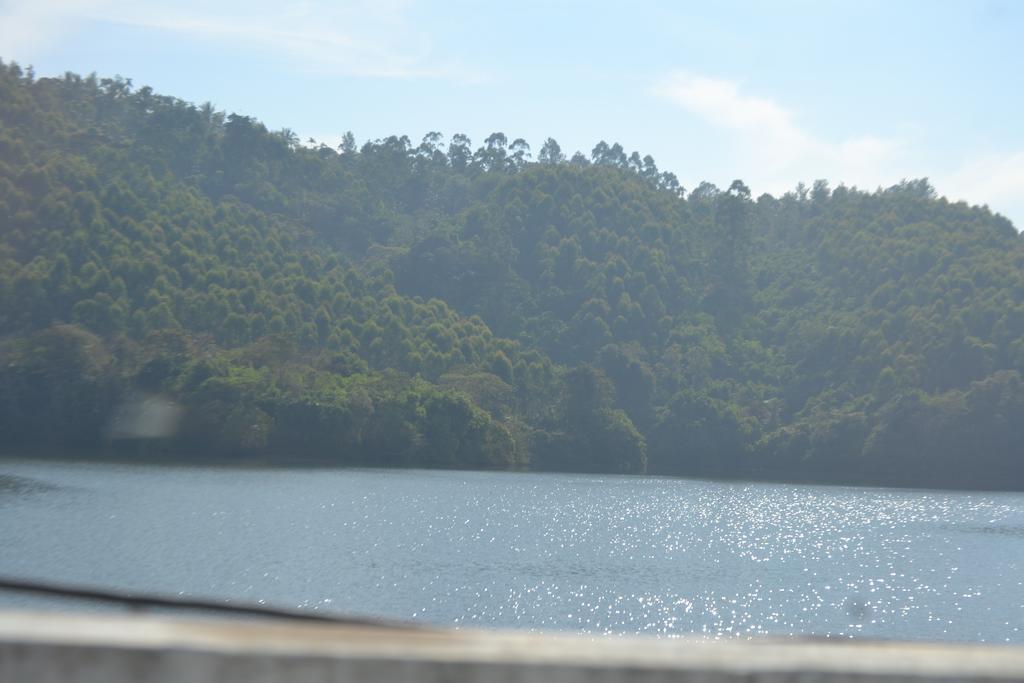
(444, 305)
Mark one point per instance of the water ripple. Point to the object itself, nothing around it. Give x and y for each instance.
(590, 554)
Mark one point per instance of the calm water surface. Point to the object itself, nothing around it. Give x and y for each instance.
(586, 553)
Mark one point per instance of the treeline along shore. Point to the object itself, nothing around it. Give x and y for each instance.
(176, 280)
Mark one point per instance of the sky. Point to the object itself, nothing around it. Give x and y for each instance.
(775, 93)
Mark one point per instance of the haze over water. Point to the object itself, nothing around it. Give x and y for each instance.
(597, 554)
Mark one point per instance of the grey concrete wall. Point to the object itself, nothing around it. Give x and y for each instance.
(45, 648)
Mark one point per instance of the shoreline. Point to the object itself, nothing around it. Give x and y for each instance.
(175, 460)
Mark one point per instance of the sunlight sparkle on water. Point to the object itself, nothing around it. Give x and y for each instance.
(591, 554)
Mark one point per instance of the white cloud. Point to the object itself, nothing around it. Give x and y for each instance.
(995, 179)
(29, 26)
(358, 38)
(372, 39)
(773, 151)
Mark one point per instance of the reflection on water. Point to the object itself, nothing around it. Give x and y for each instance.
(1014, 530)
(586, 553)
(10, 484)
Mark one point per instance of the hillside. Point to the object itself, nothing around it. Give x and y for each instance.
(444, 306)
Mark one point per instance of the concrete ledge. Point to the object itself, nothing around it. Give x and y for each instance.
(101, 648)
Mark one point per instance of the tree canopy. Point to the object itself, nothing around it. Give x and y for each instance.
(441, 305)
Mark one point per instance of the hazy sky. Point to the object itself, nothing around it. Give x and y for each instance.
(865, 93)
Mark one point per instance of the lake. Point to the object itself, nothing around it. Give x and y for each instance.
(595, 554)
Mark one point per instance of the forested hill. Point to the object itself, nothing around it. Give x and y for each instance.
(440, 304)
